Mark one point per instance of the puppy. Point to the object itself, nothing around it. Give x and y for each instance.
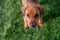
(32, 13)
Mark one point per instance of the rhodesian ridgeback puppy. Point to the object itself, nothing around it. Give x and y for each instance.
(32, 13)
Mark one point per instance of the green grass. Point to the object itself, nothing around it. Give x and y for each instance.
(12, 24)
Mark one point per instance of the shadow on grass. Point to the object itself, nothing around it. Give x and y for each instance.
(52, 9)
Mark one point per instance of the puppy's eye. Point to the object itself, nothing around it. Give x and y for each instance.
(36, 15)
(27, 15)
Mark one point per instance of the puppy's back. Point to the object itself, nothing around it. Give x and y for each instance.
(27, 2)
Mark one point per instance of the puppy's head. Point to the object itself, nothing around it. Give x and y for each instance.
(32, 15)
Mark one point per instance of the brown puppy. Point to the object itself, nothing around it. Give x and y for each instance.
(32, 12)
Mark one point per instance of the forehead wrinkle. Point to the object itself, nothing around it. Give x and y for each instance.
(32, 12)
(33, 9)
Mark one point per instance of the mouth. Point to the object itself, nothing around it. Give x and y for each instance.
(32, 26)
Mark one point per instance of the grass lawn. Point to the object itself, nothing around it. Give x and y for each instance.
(12, 24)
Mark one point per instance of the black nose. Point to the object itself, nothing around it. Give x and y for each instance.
(33, 24)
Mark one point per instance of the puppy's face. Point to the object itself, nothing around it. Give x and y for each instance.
(32, 16)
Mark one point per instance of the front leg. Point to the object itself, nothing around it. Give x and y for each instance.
(25, 24)
(40, 22)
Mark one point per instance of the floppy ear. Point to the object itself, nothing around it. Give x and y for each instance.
(23, 10)
(41, 10)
